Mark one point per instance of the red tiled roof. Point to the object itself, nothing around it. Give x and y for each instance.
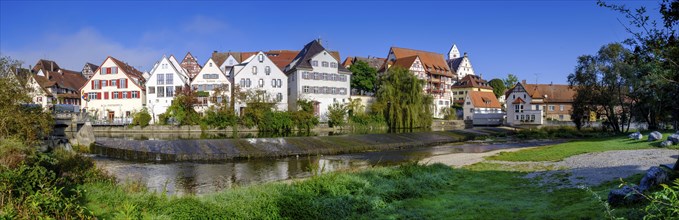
(550, 93)
(484, 99)
(405, 62)
(433, 63)
(130, 72)
(472, 81)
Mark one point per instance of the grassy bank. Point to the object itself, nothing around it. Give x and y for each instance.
(406, 192)
(560, 151)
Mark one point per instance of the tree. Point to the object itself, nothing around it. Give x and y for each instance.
(602, 82)
(336, 114)
(401, 100)
(498, 87)
(141, 118)
(19, 119)
(363, 77)
(304, 118)
(510, 81)
(182, 108)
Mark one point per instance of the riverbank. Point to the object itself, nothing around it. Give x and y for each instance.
(412, 191)
(249, 148)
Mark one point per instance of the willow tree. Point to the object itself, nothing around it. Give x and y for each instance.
(405, 104)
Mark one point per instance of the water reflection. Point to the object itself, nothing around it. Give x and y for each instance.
(201, 178)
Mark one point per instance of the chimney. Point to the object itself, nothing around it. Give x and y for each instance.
(51, 66)
(523, 82)
(551, 83)
(465, 54)
(214, 51)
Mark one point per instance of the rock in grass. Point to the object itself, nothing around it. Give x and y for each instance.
(654, 177)
(654, 136)
(635, 135)
(624, 195)
(674, 138)
(666, 143)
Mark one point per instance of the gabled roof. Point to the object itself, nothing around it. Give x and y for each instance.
(92, 66)
(177, 69)
(303, 59)
(20, 74)
(45, 65)
(182, 71)
(483, 99)
(279, 57)
(550, 93)
(190, 63)
(374, 62)
(129, 71)
(348, 61)
(518, 101)
(405, 62)
(472, 81)
(433, 63)
(455, 63)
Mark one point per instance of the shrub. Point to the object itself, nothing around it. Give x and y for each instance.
(664, 204)
(336, 114)
(141, 118)
(219, 118)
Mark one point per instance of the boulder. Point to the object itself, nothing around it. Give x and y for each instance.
(654, 136)
(630, 195)
(636, 135)
(654, 177)
(666, 144)
(674, 138)
(624, 195)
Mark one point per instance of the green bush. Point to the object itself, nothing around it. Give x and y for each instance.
(664, 204)
(336, 114)
(219, 118)
(142, 118)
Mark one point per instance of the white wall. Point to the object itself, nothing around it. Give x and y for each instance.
(325, 100)
(120, 107)
(203, 82)
(157, 104)
(274, 83)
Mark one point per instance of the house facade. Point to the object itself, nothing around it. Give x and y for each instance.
(88, 70)
(52, 84)
(483, 108)
(115, 91)
(315, 74)
(533, 104)
(259, 76)
(190, 63)
(210, 80)
(428, 66)
(164, 80)
(460, 65)
(469, 83)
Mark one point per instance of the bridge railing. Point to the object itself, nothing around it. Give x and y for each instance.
(114, 122)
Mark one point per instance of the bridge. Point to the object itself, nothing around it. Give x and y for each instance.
(71, 128)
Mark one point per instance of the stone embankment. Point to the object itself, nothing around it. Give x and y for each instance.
(245, 148)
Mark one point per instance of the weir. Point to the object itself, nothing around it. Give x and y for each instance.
(246, 148)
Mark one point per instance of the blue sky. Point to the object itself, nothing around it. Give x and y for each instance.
(536, 40)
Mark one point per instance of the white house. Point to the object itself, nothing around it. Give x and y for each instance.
(164, 80)
(533, 104)
(258, 75)
(483, 108)
(209, 79)
(461, 66)
(315, 74)
(114, 92)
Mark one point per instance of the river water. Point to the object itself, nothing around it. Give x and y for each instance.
(202, 178)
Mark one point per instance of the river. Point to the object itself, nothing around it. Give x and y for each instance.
(202, 178)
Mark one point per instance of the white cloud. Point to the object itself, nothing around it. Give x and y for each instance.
(72, 51)
(204, 25)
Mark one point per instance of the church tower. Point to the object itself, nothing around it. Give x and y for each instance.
(453, 53)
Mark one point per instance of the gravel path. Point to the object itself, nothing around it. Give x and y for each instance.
(595, 168)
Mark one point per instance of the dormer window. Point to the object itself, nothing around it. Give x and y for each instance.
(260, 58)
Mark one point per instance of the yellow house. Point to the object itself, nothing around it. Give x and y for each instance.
(467, 84)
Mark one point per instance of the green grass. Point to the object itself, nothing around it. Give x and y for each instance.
(561, 151)
(405, 192)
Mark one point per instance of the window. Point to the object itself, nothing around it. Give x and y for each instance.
(532, 117)
(92, 95)
(560, 117)
(333, 64)
(333, 90)
(97, 84)
(209, 87)
(135, 94)
(161, 79)
(123, 83)
(247, 82)
(254, 70)
(161, 91)
(114, 83)
(305, 75)
(169, 91)
(279, 97)
(273, 83)
(551, 108)
(315, 90)
(168, 79)
(280, 83)
(317, 76)
(305, 89)
(522, 117)
(333, 77)
(261, 83)
(471, 110)
(324, 63)
(314, 63)
(517, 117)
(210, 64)
(260, 58)
(242, 82)
(267, 70)
(124, 95)
(561, 108)
(115, 95)
(152, 90)
(440, 102)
